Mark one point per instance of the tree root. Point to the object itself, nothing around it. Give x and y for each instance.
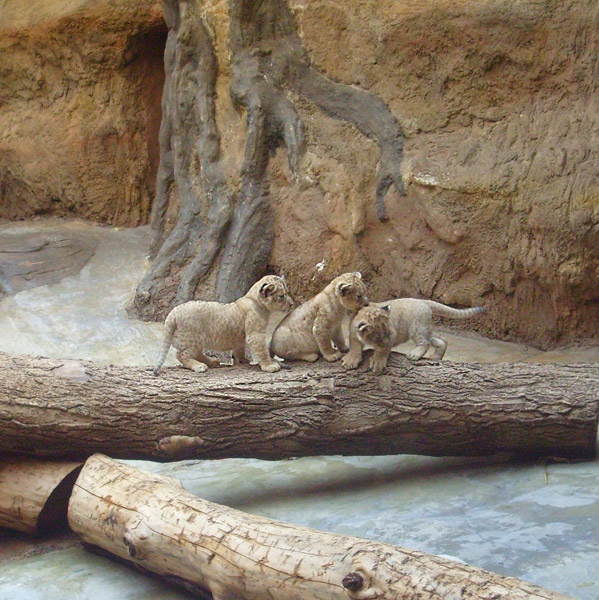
(269, 61)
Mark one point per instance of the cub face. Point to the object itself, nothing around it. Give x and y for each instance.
(273, 294)
(372, 326)
(351, 291)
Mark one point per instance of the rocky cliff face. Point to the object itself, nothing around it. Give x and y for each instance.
(80, 86)
(497, 99)
(499, 104)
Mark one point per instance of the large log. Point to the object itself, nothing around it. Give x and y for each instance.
(34, 493)
(49, 409)
(151, 521)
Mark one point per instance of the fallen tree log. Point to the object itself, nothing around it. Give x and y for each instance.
(34, 493)
(152, 522)
(48, 409)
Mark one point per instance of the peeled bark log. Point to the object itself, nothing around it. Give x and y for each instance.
(34, 493)
(445, 409)
(150, 521)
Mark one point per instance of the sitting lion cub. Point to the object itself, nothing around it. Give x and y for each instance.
(315, 326)
(196, 326)
(384, 325)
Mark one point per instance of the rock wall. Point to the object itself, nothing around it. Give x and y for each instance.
(500, 107)
(498, 101)
(80, 86)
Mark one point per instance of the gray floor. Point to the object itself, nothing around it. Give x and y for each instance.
(539, 522)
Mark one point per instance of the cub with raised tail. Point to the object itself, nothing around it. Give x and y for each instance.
(196, 326)
(315, 326)
(384, 325)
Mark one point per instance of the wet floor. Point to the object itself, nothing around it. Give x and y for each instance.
(539, 522)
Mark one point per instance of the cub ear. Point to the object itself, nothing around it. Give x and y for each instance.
(267, 289)
(357, 274)
(386, 308)
(362, 327)
(344, 288)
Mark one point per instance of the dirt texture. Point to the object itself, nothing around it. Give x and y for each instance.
(497, 102)
(80, 85)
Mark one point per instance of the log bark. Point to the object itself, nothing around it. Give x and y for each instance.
(34, 493)
(445, 409)
(150, 521)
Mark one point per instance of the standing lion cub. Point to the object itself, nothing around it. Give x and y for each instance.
(315, 326)
(384, 325)
(196, 326)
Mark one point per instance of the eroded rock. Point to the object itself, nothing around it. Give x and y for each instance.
(28, 260)
(80, 86)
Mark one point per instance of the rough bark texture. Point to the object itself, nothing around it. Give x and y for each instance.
(34, 493)
(269, 64)
(80, 85)
(152, 522)
(438, 410)
(190, 172)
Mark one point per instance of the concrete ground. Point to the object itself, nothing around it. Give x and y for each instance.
(537, 521)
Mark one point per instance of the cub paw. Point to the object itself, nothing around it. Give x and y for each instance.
(199, 367)
(377, 366)
(271, 367)
(350, 362)
(333, 356)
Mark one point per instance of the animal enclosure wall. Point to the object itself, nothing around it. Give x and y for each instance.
(497, 103)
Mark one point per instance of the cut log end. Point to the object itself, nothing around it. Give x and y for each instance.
(34, 494)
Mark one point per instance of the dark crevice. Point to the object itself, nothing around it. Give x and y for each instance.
(53, 516)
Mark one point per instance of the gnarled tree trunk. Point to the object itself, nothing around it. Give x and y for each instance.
(150, 521)
(270, 66)
(449, 409)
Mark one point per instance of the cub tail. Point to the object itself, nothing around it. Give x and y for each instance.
(454, 313)
(169, 332)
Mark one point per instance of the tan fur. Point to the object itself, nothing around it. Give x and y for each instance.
(197, 326)
(384, 325)
(315, 326)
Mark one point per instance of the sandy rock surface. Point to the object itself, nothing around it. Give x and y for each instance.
(80, 86)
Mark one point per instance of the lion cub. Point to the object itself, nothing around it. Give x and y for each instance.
(384, 325)
(315, 326)
(196, 326)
